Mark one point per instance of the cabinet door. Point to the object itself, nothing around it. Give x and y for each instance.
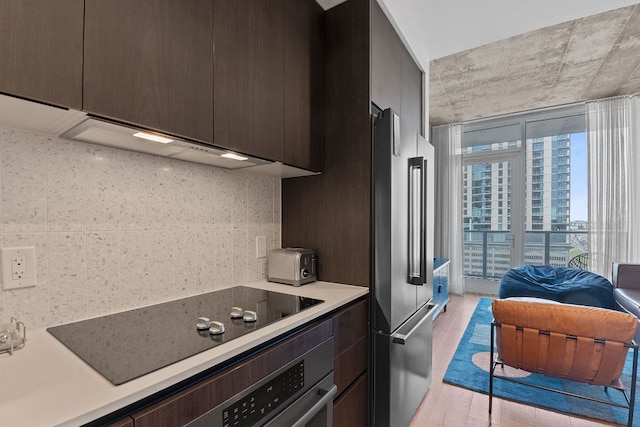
(349, 326)
(248, 76)
(350, 344)
(338, 203)
(303, 84)
(41, 50)
(352, 408)
(150, 63)
(386, 62)
(396, 80)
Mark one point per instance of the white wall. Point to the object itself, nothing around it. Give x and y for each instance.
(115, 230)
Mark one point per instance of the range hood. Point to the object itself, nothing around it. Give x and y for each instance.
(98, 131)
(79, 126)
(36, 117)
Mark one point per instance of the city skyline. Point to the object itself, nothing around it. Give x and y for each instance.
(556, 195)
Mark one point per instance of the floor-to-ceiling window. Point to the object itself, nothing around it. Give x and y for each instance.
(524, 193)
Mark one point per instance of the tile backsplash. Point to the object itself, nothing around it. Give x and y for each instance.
(115, 229)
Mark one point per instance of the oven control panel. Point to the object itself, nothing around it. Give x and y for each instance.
(258, 404)
(283, 394)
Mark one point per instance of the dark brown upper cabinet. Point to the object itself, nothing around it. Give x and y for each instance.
(396, 81)
(150, 63)
(365, 61)
(303, 84)
(249, 76)
(268, 79)
(41, 50)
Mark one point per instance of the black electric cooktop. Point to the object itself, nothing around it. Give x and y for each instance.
(127, 345)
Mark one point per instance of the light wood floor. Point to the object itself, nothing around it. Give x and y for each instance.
(451, 406)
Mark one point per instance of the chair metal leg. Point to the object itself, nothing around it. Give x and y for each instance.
(491, 368)
(634, 374)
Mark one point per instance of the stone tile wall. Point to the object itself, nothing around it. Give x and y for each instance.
(115, 229)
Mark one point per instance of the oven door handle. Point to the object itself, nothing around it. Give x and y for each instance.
(327, 397)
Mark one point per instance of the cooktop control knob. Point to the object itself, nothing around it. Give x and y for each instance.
(237, 313)
(217, 328)
(250, 316)
(203, 323)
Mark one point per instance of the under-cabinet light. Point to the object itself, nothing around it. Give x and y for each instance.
(152, 137)
(233, 156)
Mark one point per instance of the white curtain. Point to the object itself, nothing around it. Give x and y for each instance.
(613, 141)
(447, 141)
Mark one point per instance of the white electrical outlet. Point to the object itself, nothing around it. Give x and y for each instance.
(18, 267)
(261, 246)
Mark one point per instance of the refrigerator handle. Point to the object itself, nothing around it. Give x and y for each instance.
(399, 338)
(417, 221)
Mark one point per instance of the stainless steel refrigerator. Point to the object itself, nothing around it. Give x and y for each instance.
(403, 174)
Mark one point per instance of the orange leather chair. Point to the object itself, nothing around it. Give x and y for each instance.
(577, 343)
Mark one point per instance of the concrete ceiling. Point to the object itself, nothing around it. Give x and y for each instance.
(435, 28)
(582, 59)
(451, 26)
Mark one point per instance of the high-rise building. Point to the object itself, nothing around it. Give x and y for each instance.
(487, 207)
(548, 183)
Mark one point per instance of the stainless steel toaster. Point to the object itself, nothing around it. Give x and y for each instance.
(292, 266)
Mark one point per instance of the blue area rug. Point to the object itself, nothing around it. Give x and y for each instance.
(474, 346)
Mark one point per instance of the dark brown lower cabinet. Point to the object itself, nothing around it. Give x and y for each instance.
(352, 408)
(125, 422)
(350, 344)
(194, 401)
(350, 365)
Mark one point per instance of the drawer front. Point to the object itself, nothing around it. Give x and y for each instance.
(350, 364)
(125, 422)
(349, 326)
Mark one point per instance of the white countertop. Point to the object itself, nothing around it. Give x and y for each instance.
(45, 384)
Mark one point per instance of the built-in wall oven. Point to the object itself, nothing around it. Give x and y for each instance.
(298, 394)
